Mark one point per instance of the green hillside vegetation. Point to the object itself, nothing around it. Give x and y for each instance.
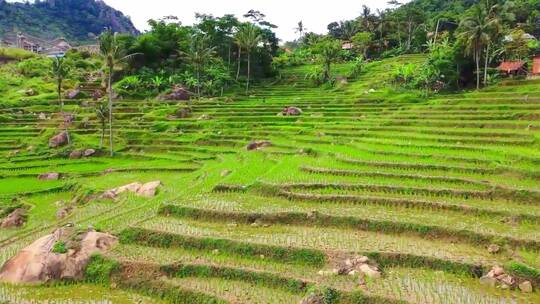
(280, 165)
(75, 20)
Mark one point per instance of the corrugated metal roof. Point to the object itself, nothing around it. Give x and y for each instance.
(511, 66)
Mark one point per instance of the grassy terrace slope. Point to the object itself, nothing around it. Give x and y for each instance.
(423, 187)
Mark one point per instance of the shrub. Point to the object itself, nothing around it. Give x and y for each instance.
(59, 247)
(100, 269)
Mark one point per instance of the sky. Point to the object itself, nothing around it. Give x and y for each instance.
(315, 14)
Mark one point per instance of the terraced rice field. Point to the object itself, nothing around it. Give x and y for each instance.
(422, 186)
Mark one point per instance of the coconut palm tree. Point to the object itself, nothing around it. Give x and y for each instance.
(248, 38)
(113, 54)
(199, 54)
(60, 71)
(102, 113)
(475, 32)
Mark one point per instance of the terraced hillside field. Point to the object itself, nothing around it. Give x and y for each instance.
(421, 186)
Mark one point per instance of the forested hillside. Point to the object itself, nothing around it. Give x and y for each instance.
(76, 20)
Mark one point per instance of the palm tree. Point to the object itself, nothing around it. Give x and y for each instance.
(349, 29)
(300, 29)
(199, 54)
(475, 33)
(102, 113)
(60, 71)
(248, 38)
(113, 54)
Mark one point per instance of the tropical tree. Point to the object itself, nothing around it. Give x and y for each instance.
(198, 55)
(300, 29)
(475, 32)
(362, 41)
(60, 71)
(248, 38)
(328, 50)
(102, 113)
(113, 54)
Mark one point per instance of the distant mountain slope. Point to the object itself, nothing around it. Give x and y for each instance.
(76, 20)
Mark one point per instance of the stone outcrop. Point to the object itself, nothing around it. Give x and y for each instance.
(38, 263)
(17, 218)
(358, 265)
(257, 145)
(74, 94)
(179, 93)
(291, 111)
(59, 140)
(144, 190)
(76, 154)
(497, 277)
(49, 176)
(183, 112)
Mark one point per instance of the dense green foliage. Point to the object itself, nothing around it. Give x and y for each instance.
(76, 20)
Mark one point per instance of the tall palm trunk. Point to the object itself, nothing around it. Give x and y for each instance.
(61, 101)
(102, 134)
(111, 148)
(199, 81)
(477, 59)
(248, 70)
(486, 64)
(239, 62)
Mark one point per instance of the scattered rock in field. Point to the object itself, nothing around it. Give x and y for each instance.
(149, 189)
(42, 116)
(38, 263)
(30, 92)
(493, 249)
(97, 94)
(205, 117)
(358, 265)
(256, 145)
(488, 281)
(49, 176)
(313, 298)
(183, 112)
(74, 94)
(225, 173)
(76, 154)
(69, 118)
(526, 287)
(89, 152)
(497, 277)
(85, 123)
(370, 271)
(63, 213)
(17, 218)
(177, 93)
(108, 171)
(340, 79)
(84, 104)
(145, 190)
(59, 140)
(291, 111)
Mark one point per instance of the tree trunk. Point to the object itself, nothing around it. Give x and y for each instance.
(199, 82)
(477, 59)
(102, 134)
(111, 148)
(486, 64)
(409, 38)
(248, 71)
(239, 62)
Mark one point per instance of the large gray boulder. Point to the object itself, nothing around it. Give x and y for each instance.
(38, 263)
(59, 140)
